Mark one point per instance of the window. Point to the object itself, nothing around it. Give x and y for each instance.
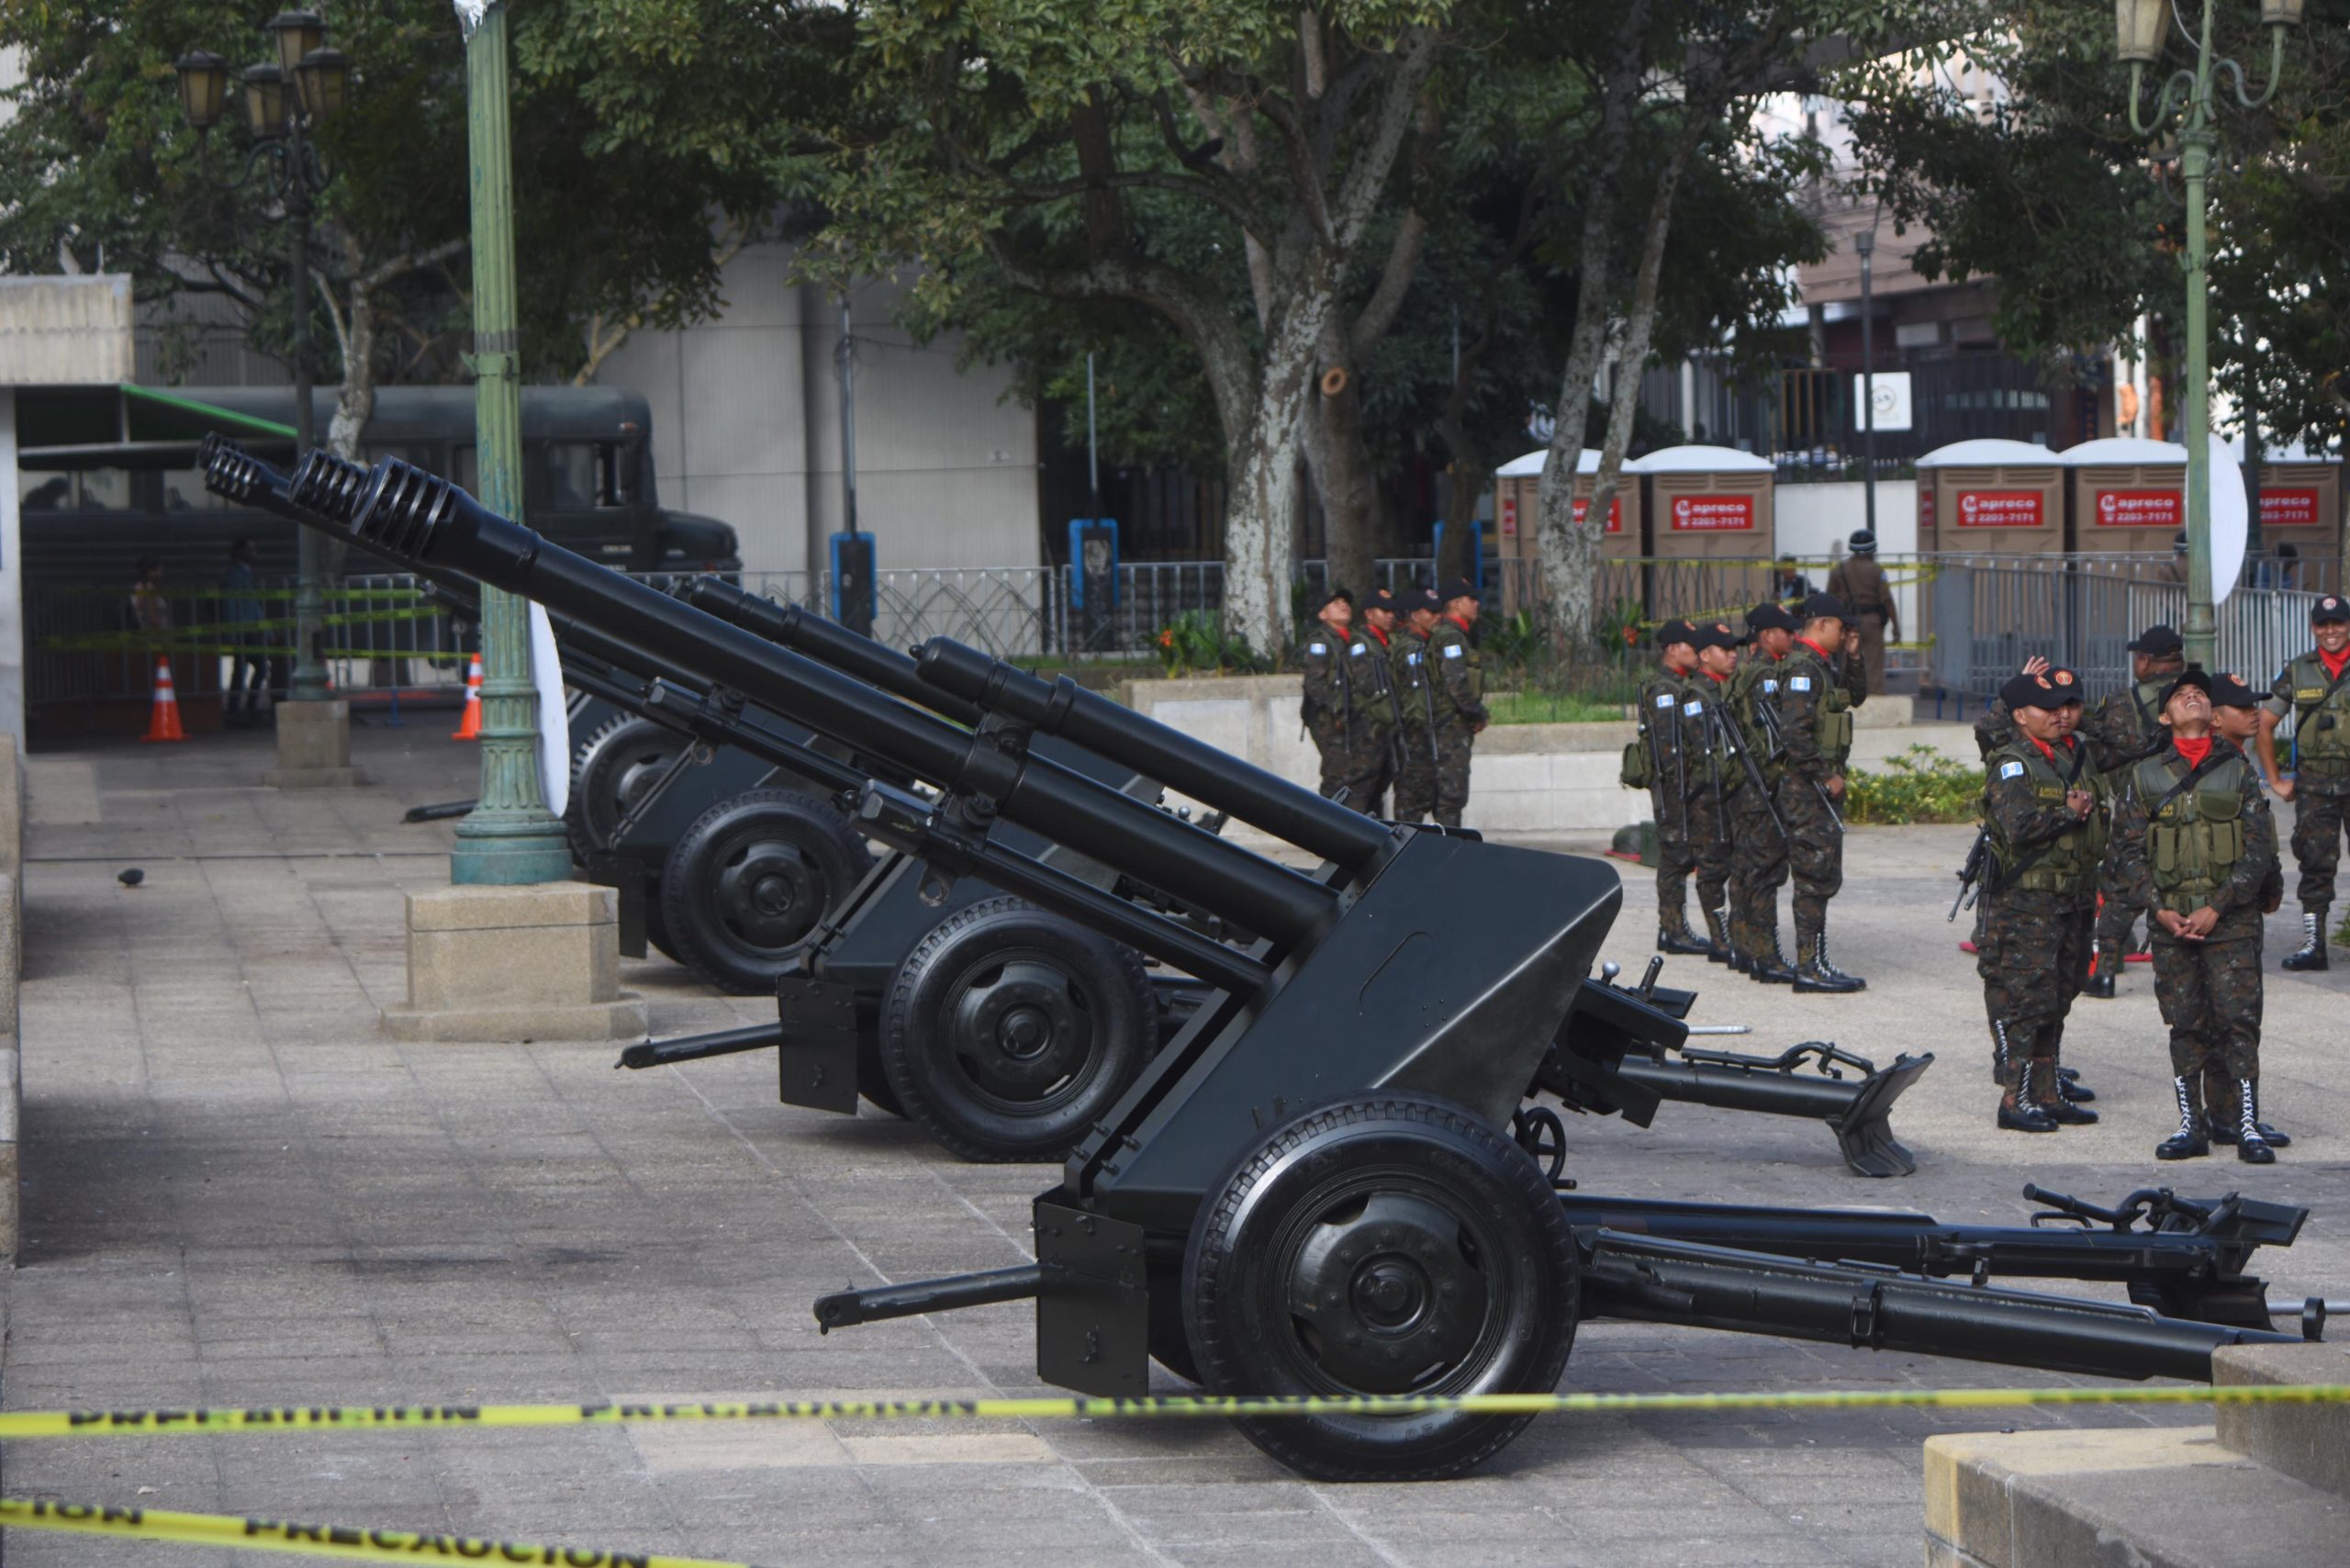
(583, 475)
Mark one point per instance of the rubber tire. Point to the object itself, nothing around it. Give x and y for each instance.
(623, 756)
(942, 1101)
(692, 920)
(1248, 1337)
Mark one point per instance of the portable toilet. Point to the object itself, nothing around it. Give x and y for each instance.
(1990, 497)
(1517, 500)
(1711, 527)
(2129, 495)
(2300, 504)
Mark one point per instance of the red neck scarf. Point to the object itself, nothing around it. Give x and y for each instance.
(2334, 662)
(1376, 632)
(1814, 647)
(1458, 622)
(2046, 750)
(1711, 676)
(2194, 750)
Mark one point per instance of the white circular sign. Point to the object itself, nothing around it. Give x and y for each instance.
(2231, 513)
(555, 718)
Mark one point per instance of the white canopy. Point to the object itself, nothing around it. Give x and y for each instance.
(1700, 460)
(2121, 449)
(1986, 453)
(1535, 462)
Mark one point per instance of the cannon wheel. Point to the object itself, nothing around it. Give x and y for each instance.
(744, 891)
(610, 772)
(1389, 1244)
(1009, 1031)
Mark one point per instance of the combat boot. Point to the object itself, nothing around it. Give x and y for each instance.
(1814, 972)
(2109, 968)
(1718, 947)
(2063, 1108)
(1673, 936)
(2188, 1142)
(1770, 964)
(2251, 1146)
(2222, 1120)
(2069, 1078)
(2020, 1111)
(2311, 955)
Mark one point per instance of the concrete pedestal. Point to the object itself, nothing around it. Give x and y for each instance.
(313, 747)
(540, 962)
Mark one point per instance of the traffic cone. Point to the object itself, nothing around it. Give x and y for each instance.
(469, 727)
(164, 723)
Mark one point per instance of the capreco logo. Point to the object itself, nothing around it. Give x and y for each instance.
(2108, 503)
(1967, 503)
(1680, 508)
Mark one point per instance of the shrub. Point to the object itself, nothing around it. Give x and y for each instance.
(1196, 643)
(1921, 785)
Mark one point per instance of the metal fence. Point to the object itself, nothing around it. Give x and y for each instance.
(1988, 618)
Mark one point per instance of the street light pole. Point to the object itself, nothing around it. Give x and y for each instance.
(1865, 245)
(309, 675)
(510, 838)
(2189, 97)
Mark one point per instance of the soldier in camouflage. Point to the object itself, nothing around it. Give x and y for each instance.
(1812, 728)
(2235, 716)
(1659, 760)
(2046, 824)
(1456, 683)
(2127, 727)
(1709, 734)
(2198, 845)
(1415, 698)
(1373, 718)
(2314, 692)
(1326, 712)
(1758, 839)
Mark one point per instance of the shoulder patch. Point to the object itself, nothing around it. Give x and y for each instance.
(1413, 657)
(1357, 649)
(1799, 683)
(1770, 685)
(1452, 650)
(1318, 647)
(1664, 698)
(1693, 708)
(2012, 770)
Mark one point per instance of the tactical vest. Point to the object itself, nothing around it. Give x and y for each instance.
(1831, 720)
(2320, 723)
(1450, 644)
(1365, 682)
(1658, 721)
(2196, 840)
(1408, 662)
(1705, 728)
(1325, 696)
(1756, 683)
(2065, 865)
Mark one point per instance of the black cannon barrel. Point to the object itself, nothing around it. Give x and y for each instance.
(826, 641)
(417, 516)
(1206, 773)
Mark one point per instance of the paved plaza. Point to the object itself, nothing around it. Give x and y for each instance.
(237, 1192)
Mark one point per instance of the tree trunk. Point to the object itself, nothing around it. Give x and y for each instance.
(1341, 467)
(1569, 550)
(355, 404)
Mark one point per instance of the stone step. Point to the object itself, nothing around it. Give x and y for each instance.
(2309, 1442)
(2140, 1497)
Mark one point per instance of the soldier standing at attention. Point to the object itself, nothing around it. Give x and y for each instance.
(2315, 690)
(2236, 718)
(1408, 664)
(1859, 582)
(2047, 826)
(1814, 725)
(1670, 769)
(1457, 679)
(1758, 841)
(2127, 727)
(2196, 846)
(1326, 712)
(1371, 695)
(1709, 735)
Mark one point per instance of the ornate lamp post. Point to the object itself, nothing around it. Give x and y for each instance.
(284, 103)
(2190, 98)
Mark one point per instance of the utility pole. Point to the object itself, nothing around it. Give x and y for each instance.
(1865, 245)
(510, 838)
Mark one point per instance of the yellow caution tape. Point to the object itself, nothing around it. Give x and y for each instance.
(318, 1541)
(34, 1424)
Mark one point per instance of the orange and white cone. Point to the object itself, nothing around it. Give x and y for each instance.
(163, 724)
(469, 727)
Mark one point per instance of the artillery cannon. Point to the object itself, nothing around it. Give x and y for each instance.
(1315, 1188)
(1007, 1031)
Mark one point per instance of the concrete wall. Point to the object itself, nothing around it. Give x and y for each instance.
(1817, 520)
(1551, 779)
(12, 580)
(12, 953)
(746, 427)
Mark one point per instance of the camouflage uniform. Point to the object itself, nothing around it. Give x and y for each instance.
(1456, 683)
(1716, 783)
(1758, 847)
(1815, 727)
(1324, 710)
(2125, 727)
(1370, 724)
(1407, 665)
(1661, 736)
(2321, 768)
(2213, 845)
(2039, 903)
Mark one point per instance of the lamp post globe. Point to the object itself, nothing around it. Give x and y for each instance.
(203, 87)
(297, 33)
(264, 101)
(2138, 30)
(323, 81)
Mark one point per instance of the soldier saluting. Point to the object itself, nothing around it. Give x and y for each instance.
(2198, 844)
(1326, 712)
(2315, 690)
(2046, 825)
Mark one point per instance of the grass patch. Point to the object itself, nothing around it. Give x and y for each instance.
(1548, 708)
(1921, 785)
